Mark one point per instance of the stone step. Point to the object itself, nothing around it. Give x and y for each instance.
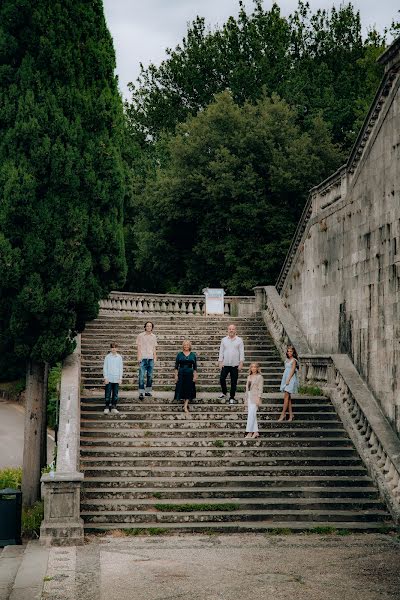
(245, 481)
(330, 516)
(198, 406)
(165, 444)
(201, 416)
(226, 472)
(96, 385)
(244, 527)
(185, 494)
(230, 462)
(196, 426)
(210, 435)
(236, 452)
(29, 578)
(230, 504)
(164, 400)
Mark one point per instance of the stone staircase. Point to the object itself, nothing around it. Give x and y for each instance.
(150, 468)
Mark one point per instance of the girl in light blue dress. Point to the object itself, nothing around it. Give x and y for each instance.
(290, 382)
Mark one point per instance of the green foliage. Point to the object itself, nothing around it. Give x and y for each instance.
(13, 388)
(219, 443)
(318, 61)
(227, 506)
(146, 531)
(62, 176)
(310, 390)
(32, 518)
(222, 207)
(10, 477)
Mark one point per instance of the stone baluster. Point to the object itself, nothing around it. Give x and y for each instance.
(151, 305)
(157, 306)
(226, 309)
(197, 307)
(190, 307)
(163, 306)
(176, 307)
(140, 305)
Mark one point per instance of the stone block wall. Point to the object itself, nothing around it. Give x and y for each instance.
(343, 282)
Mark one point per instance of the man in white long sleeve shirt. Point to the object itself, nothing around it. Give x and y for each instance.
(230, 361)
(112, 373)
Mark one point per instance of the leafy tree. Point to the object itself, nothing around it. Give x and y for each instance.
(223, 207)
(62, 184)
(318, 61)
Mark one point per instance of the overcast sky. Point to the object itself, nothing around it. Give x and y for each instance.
(143, 29)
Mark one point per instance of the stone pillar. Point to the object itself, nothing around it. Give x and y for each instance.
(259, 293)
(62, 524)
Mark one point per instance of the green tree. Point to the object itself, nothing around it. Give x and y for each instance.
(318, 62)
(223, 207)
(62, 184)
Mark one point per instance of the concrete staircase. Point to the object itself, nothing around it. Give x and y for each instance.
(150, 468)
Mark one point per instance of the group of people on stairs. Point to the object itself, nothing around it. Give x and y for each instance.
(230, 362)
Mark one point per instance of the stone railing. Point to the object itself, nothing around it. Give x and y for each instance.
(62, 524)
(372, 435)
(234, 306)
(335, 374)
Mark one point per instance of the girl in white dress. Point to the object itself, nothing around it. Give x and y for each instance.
(254, 390)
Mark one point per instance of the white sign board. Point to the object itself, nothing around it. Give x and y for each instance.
(214, 301)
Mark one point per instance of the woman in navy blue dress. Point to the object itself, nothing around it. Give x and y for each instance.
(185, 375)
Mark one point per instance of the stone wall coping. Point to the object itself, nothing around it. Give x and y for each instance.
(173, 296)
(293, 331)
(61, 477)
(69, 421)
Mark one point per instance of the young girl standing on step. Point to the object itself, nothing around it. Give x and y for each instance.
(290, 382)
(254, 390)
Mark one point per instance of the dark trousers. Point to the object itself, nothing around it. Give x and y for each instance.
(111, 392)
(234, 373)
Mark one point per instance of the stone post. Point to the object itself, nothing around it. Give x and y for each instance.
(259, 294)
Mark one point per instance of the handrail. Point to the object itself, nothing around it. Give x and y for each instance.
(188, 304)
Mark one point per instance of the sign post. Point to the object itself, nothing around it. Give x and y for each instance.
(214, 301)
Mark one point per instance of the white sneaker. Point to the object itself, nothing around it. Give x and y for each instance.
(106, 411)
(221, 397)
(114, 411)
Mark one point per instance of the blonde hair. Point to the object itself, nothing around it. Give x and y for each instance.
(187, 342)
(255, 364)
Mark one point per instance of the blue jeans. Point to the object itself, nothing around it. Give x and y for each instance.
(146, 368)
(111, 389)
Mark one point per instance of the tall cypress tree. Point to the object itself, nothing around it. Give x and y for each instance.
(62, 183)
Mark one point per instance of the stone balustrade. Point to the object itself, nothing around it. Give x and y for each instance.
(234, 306)
(336, 375)
(62, 524)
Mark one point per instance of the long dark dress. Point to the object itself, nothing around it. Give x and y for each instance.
(185, 388)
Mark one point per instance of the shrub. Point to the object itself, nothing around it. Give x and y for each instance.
(10, 477)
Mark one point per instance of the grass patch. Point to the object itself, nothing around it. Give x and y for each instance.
(310, 390)
(283, 531)
(32, 517)
(147, 433)
(47, 578)
(10, 477)
(323, 530)
(343, 532)
(227, 506)
(157, 495)
(218, 443)
(149, 531)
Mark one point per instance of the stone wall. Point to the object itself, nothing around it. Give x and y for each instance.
(341, 279)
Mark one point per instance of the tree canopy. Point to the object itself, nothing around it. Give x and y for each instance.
(222, 209)
(62, 178)
(319, 62)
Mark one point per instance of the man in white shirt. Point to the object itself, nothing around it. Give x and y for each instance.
(230, 361)
(147, 356)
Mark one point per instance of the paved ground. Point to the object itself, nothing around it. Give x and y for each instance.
(236, 567)
(12, 435)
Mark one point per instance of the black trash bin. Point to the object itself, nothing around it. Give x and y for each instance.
(10, 517)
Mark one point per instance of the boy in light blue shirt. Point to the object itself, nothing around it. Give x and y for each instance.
(112, 373)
